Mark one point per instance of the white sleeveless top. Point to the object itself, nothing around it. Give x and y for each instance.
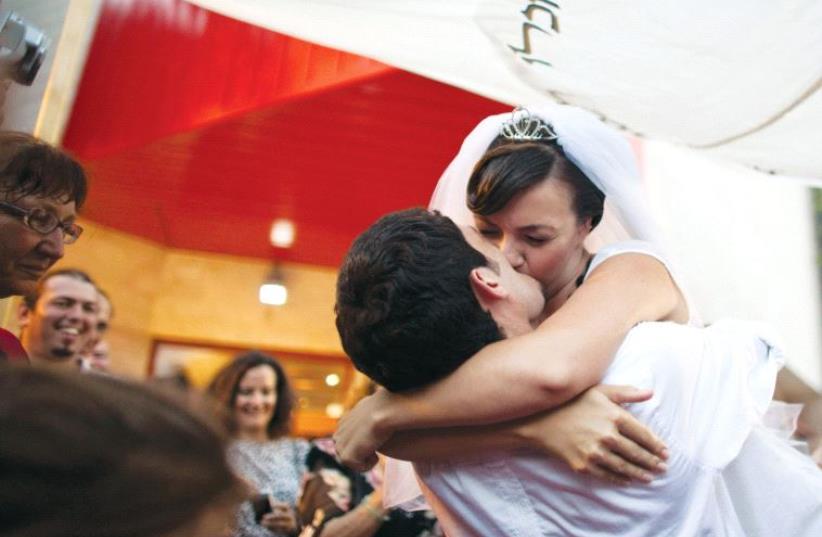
(646, 248)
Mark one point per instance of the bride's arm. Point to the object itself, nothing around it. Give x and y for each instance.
(592, 434)
(567, 354)
(517, 377)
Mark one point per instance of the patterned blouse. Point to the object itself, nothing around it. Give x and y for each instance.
(275, 467)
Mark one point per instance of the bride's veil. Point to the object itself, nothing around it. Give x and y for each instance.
(599, 151)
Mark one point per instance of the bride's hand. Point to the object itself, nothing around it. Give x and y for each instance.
(360, 434)
(594, 435)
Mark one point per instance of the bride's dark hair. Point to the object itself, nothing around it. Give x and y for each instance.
(509, 168)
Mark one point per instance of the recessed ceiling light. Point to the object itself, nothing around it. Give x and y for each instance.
(282, 233)
(334, 410)
(273, 294)
(332, 379)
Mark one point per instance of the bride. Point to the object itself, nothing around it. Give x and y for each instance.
(538, 195)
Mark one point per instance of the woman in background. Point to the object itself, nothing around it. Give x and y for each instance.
(255, 392)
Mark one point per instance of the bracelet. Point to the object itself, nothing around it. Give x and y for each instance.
(378, 515)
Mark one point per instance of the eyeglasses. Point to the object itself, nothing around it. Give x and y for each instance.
(43, 221)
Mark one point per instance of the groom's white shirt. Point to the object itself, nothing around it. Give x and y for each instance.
(711, 387)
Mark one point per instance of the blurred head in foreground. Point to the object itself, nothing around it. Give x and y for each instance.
(95, 456)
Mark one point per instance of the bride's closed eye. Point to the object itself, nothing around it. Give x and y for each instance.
(537, 241)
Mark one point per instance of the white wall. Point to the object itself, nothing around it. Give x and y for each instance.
(44, 107)
(745, 242)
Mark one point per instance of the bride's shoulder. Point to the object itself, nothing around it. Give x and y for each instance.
(631, 246)
(642, 271)
(623, 251)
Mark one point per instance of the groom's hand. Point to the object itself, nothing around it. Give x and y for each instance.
(361, 432)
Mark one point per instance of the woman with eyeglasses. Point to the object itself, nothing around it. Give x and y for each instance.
(41, 189)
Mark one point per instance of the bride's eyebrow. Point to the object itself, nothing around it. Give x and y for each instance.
(538, 227)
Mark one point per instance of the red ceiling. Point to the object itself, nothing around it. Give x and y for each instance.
(199, 130)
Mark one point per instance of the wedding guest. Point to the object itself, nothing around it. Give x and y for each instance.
(255, 392)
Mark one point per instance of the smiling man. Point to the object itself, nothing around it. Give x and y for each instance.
(56, 321)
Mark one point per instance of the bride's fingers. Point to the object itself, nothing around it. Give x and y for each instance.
(632, 428)
(621, 468)
(625, 394)
(636, 454)
(607, 475)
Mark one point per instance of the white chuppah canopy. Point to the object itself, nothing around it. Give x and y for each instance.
(740, 79)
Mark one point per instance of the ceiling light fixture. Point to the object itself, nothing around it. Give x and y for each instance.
(273, 291)
(332, 379)
(334, 410)
(282, 233)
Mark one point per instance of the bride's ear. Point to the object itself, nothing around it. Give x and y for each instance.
(487, 286)
(585, 228)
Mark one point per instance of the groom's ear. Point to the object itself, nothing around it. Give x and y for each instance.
(487, 286)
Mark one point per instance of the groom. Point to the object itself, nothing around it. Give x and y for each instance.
(417, 297)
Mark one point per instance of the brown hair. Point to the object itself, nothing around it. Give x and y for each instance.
(226, 383)
(30, 300)
(509, 168)
(29, 166)
(95, 456)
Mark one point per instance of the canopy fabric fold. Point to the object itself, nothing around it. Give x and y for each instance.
(738, 79)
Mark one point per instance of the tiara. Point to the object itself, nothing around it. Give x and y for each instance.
(524, 127)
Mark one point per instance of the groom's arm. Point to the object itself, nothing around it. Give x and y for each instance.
(792, 389)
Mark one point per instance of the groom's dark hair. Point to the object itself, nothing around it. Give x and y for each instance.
(406, 312)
